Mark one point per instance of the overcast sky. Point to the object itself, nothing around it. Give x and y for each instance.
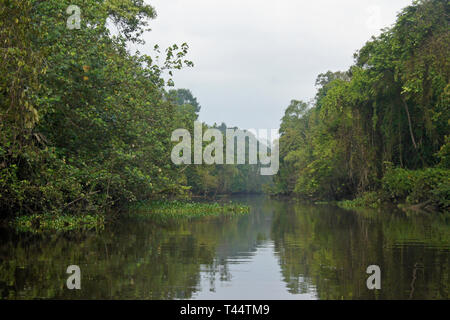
(253, 56)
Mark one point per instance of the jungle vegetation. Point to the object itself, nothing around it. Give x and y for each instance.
(378, 131)
(85, 125)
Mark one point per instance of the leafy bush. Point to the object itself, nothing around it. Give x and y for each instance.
(398, 183)
(431, 184)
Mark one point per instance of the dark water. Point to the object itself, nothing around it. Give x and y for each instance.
(281, 250)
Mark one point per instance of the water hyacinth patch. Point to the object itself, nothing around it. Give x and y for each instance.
(163, 210)
(48, 222)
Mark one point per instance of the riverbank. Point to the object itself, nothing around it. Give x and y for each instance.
(418, 190)
(373, 200)
(426, 189)
(158, 210)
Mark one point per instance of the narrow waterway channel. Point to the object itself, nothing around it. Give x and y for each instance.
(281, 250)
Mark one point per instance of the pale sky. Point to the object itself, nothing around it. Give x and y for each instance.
(252, 57)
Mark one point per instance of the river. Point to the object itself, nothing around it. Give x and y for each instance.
(281, 250)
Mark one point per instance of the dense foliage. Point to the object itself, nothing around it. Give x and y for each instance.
(372, 126)
(85, 125)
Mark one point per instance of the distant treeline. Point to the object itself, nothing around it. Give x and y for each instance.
(381, 129)
(85, 125)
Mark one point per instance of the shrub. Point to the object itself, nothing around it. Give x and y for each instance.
(431, 184)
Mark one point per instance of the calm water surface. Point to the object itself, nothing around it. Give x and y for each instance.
(281, 250)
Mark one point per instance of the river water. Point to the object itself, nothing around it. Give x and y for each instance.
(281, 250)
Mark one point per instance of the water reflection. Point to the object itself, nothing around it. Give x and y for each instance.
(282, 250)
(332, 248)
